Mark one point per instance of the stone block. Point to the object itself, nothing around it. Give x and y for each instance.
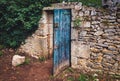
(102, 25)
(88, 29)
(118, 20)
(82, 62)
(86, 13)
(99, 33)
(115, 67)
(74, 14)
(116, 42)
(43, 44)
(116, 52)
(95, 22)
(38, 32)
(97, 66)
(110, 30)
(83, 33)
(50, 29)
(106, 66)
(72, 24)
(112, 21)
(116, 38)
(95, 50)
(108, 59)
(51, 41)
(118, 58)
(44, 17)
(112, 48)
(73, 48)
(93, 12)
(97, 26)
(102, 45)
(86, 24)
(74, 33)
(101, 41)
(99, 59)
(73, 60)
(83, 51)
(79, 50)
(17, 60)
(78, 6)
(106, 51)
(81, 14)
(43, 30)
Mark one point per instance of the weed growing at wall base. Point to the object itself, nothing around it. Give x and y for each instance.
(42, 59)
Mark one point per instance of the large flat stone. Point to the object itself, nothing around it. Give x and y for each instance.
(86, 24)
(106, 51)
(79, 50)
(94, 50)
(99, 33)
(78, 6)
(17, 60)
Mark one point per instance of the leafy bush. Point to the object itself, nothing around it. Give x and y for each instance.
(19, 19)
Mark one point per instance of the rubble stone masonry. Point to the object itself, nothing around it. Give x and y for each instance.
(95, 38)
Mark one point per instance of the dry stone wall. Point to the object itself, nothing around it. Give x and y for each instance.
(95, 39)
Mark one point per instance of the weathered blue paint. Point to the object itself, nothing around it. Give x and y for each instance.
(62, 21)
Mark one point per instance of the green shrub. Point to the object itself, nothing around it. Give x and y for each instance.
(83, 77)
(27, 61)
(42, 58)
(70, 78)
(1, 53)
(1, 47)
(77, 22)
(19, 19)
(70, 70)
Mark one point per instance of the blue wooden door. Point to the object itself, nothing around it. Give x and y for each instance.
(62, 23)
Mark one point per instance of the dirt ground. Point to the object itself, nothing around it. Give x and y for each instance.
(34, 71)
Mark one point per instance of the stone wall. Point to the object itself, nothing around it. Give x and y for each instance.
(110, 3)
(95, 37)
(40, 44)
